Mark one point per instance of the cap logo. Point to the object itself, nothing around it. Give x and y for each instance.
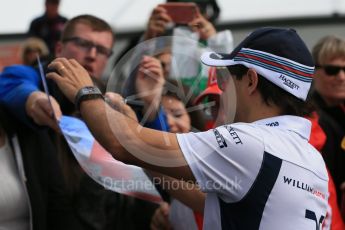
(289, 83)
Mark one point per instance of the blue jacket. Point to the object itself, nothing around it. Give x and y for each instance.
(17, 82)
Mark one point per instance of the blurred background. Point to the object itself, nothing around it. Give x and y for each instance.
(311, 18)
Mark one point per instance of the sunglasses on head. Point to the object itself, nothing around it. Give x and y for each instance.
(332, 70)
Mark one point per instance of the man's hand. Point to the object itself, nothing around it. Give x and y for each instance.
(203, 27)
(117, 102)
(157, 23)
(70, 76)
(38, 108)
(160, 219)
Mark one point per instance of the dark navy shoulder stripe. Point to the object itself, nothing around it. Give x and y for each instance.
(247, 213)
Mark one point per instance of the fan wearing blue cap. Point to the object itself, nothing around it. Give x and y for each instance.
(259, 172)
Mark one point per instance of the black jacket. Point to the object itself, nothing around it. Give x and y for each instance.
(332, 122)
(50, 207)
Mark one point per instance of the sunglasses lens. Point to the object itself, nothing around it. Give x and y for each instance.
(332, 70)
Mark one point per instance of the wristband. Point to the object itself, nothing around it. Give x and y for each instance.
(87, 93)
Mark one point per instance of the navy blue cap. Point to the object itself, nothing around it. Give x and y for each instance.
(278, 54)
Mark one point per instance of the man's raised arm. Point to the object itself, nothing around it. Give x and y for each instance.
(123, 137)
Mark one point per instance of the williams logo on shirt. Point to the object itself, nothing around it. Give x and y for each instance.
(303, 186)
(220, 139)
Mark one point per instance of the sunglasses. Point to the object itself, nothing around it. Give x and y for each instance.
(88, 45)
(332, 70)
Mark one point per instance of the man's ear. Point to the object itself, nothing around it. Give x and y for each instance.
(253, 80)
(58, 49)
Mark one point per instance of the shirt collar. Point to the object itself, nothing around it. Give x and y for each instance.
(299, 125)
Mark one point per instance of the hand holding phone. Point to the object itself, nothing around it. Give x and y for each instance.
(203, 27)
(158, 21)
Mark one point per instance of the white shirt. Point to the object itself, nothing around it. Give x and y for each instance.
(14, 208)
(261, 175)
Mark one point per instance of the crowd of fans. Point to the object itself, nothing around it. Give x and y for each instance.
(42, 186)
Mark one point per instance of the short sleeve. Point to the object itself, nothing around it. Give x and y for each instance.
(225, 160)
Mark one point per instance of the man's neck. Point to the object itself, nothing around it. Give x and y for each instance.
(262, 111)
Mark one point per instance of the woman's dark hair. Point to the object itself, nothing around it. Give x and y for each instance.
(71, 170)
(274, 95)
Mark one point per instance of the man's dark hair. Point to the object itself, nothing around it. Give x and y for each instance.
(274, 95)
(53, 1)
(93, 22)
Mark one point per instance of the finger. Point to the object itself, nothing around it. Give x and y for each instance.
(159, 9)
(48, 118)
(55, 77)
(159, 25)
(147, 73)
(56, 108)
(57, 65)
(195, 22)
(160, 12)
(44, 105)
(150, 63)
(164, 17)
(146, 59)
(65, 85)
(154, 74)
(41, 116)
(165, 208)
(118, 103)
(152, 69)
(157, 31)
(74, 62)
(67, 64)
(115, 99)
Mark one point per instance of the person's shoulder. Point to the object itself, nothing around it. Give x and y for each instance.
(38, 19)
(62, 18)
(248, 128)
(243, 135)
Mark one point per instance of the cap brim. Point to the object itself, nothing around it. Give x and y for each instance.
(212, 90)
(217, 59)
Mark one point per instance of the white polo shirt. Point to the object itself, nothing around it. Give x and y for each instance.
(261, 175)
